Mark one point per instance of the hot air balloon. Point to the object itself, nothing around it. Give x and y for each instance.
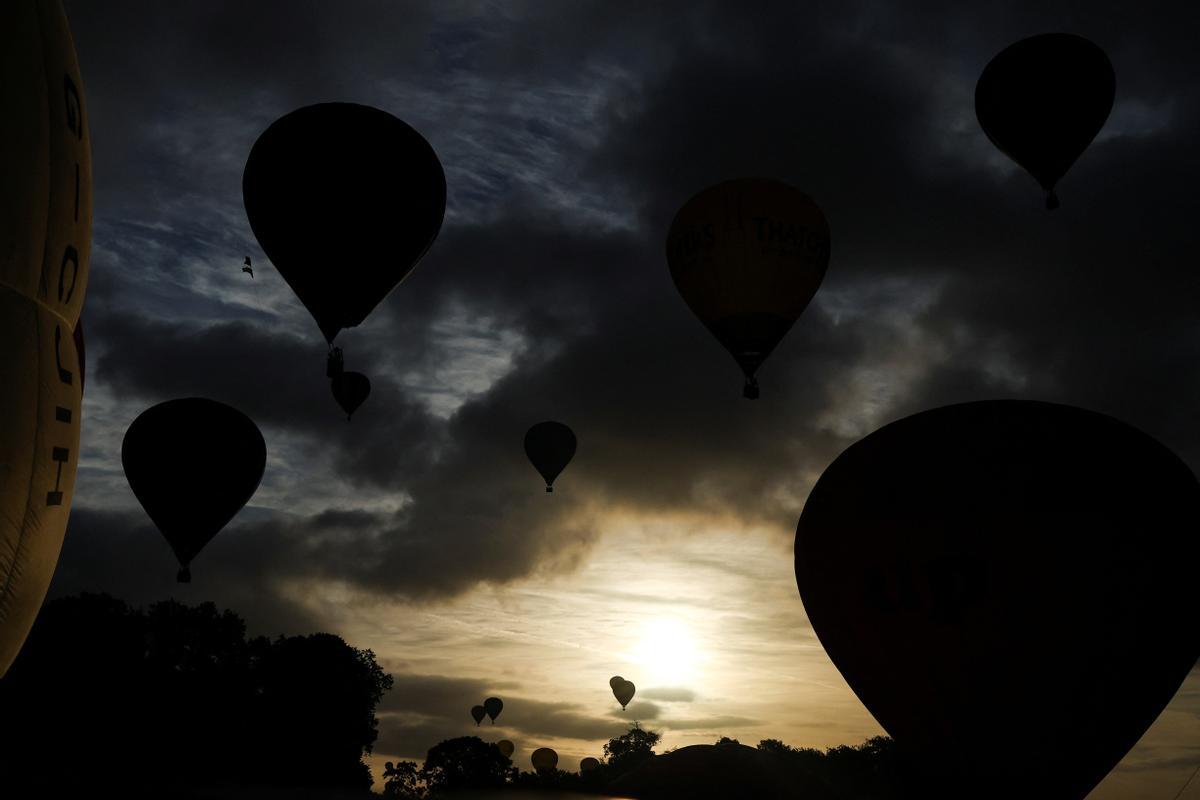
(192, 463)
(544, 759)
(505, 747)
(747, 256)
(588, 764)
(344, 199)
(350, 389)
(477, 714)
(983, 570)
(493, 706)
(1042, 100)
(614, 680)
(45, 241)
(550, 446)
(622, 690)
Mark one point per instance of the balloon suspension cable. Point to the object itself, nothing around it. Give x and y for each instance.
(184, 575)
(1051, 200)
(1187, 783)
(750, 390)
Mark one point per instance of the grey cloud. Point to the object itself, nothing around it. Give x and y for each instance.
(669, 694)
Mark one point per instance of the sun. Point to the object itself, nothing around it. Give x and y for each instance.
(666, 654)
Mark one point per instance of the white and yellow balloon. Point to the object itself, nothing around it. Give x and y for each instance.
(45, 237)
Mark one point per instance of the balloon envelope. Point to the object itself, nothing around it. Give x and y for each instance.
(588, 764)
(983, 571)
(544, 759)
(505, 747)
(345, 199)
(478, 713)
(614, 680)
(623, 691)
(350, 390)
(747, 256)
(45, 242)
(493, 706)
(1042, 100)
(192, 463)
(550, 446)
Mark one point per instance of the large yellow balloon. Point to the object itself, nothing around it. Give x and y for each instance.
(45, 238)
(747, 256)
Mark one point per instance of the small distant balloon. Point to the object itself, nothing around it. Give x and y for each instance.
(1042, 101)
(505, 747)
(622, 690)
(345, 199)
(588, 764)
(192, 463)
(544, 759)
(478, 713)
(247, 267)
(493, 706)
(747, 256)
(550, 446)
(350, 390)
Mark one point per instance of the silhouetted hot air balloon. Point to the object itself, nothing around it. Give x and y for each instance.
(247, 267)
(588, 764)
(192, 463)
(747, 256)
(984, 570)
(350, 389)
(544, 759)
(344, 199)
(493, 706)
(1042, 100)
(614, 680)
(550, 446)
(505, 747)
(622, 690)
(45, 241)
(477, 714)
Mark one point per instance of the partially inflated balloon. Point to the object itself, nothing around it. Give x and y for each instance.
(747, 256)
(345, 200)
(544, 759)
(505, 747)
(623, 691)
(985, 572)
(192, 463)
(588, 764)
(493, 706)
(550, 446)
(478, 713)
(350, 389)
(1043, 100)
(45, 239)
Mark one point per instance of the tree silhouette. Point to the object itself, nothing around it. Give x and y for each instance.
(176, 697)
(403, 780)
(634, 747)
(467, 762)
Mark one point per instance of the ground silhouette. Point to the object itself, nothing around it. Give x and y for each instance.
(176, 701)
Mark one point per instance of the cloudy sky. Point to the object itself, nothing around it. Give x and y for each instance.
(570, 133)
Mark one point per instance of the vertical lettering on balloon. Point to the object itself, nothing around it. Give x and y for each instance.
(71, 256)
(59, 454)
(64, 374)
(74, 107)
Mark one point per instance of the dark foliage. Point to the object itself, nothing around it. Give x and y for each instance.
(175, 698)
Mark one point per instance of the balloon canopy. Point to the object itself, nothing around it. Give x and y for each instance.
(493, 706)
(344, 199)
(550, 446)
(505, 747)
(544, 759)
(192, 464)
(622, 690)
(588, 764)
(350, 390)
(985, 572)
(1042, 100)
(747, 256)
(478, 713)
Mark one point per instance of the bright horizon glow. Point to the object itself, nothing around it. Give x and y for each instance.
(666, 654)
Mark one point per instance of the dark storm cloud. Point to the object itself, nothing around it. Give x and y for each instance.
(947, 282)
